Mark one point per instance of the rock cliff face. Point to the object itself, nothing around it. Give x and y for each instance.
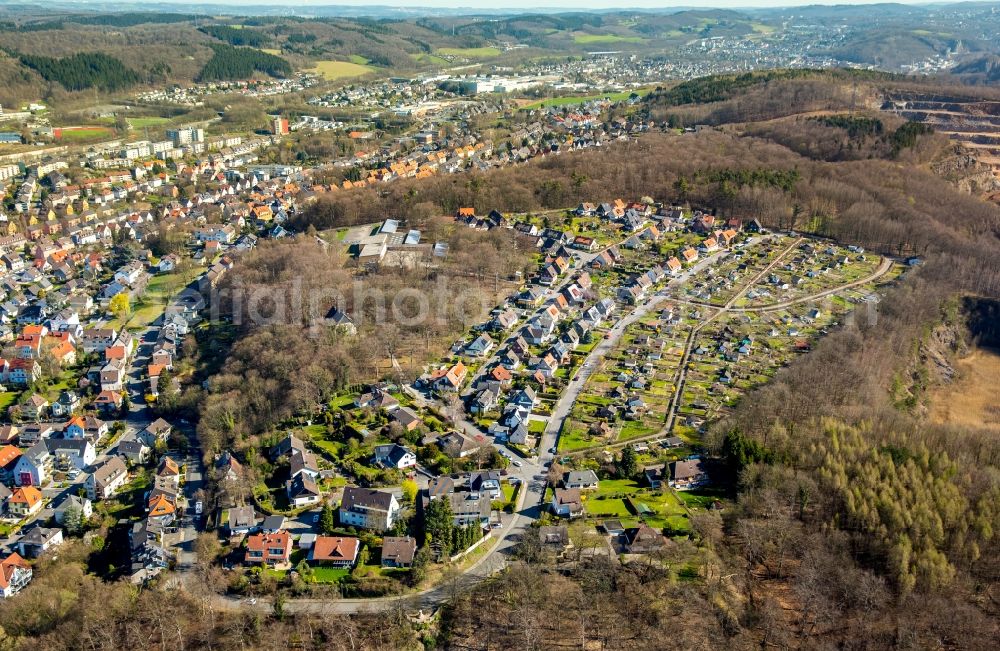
(939, 350)
(977, 324)
(968, 173)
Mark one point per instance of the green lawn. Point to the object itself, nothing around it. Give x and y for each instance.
(661, 508)
(470, 52)
(7, 398)
(84, 133)
(570, 100)
(329, 574)
(587, 39)
(149, 121)
(423, 57)
(333, 70)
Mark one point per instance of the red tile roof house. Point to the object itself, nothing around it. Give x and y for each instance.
(334, 551)
(15, 573)
(269, 548)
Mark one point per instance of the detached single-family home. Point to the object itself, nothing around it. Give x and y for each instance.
(242, 520)
(334, 551)
(480, 346)
(567, 502)
(269, 548)
(368, 508)
(687, 473)
(582, 479)
(39, 540)
(81, 505)
(25, 501)
(398, 551)
(302, 490)
(407, 418)
(394, 456)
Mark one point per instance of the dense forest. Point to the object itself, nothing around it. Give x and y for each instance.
(84, 70)
(230, 62)
(234, 36)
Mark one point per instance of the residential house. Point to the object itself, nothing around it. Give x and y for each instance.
(486, 482)
(567, 502)
(15, 573)
(643, 540)
(38, 540)
(113, 375)
(302, 490)
(25, 501)
(334, 551)
(135, 451)
(303, 463)
(291, 444)
(75, 428)
(480, 346)
(9, 455)
(407, 418)
(398, 551)
(687, 473)
(81, 505)
(269, 548)
(450, 379)
(394, 456)
(35, 407)
(67, 403)
(241, 520)
(469, 508)
(71, 453)
(158, 430)
(582, 479)
(368, 508)
(34, 466)
(654, 476)
(107, 479)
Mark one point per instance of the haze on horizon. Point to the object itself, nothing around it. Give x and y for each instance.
(521, 5)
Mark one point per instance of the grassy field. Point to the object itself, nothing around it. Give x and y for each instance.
(159, 291)
(270, 50)
(7, 399)
(148, 121)
(340, 69)
(469, 52)
(423, 57)
(662, 508)
(76, 134)
(358, 59)
(570, 100)
(588, 39)
(329, 574)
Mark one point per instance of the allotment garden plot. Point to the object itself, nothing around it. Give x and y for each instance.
(628, 395)
(743, 348)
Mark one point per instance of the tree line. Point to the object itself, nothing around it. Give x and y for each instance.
(234, 36)
(230, 62)
(83, 70)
